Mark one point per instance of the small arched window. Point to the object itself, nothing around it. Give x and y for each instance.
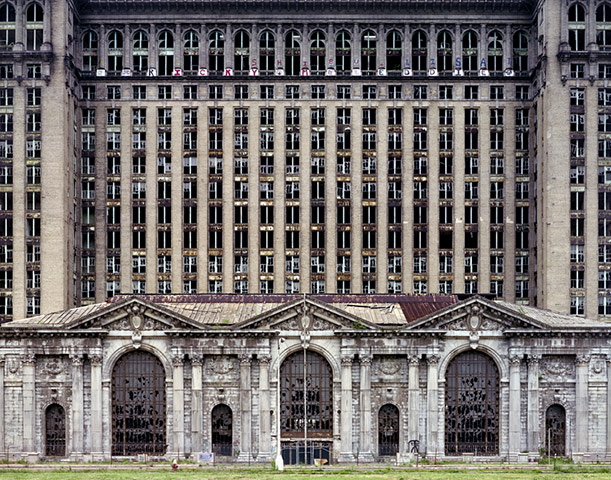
(343, 52)
(165, 46)
(34, 26)
(495, 51)
(577, 27)
(115, 51)
(394, 42)
(216, 51)
(140, 51)
(520, 51)
(191, 51)
(318, 51)
(241, 51)
(369, 42)
(469, 51)
(603, 26)
(292, 52)
(419, 51)
(444, 51)
(7, 20)
(90, 51)
(267, 51)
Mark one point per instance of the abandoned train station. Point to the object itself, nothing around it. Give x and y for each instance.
(339, 377)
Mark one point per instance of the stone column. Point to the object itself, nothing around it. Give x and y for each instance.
(46, 24)
(582, 362)
(346, 410)
(432, 407)
(229, 47)
(365, 452)
(514, 406)
(608, 405)
(77, 407)
(265, 428)
(2, 429)
(245, 408)
(196, 404)
(96, 407)
(29, 400)
(534, 433)
(178, 390)
(106, 419)
(413, 404)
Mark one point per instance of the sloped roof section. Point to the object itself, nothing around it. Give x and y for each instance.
(552, 318)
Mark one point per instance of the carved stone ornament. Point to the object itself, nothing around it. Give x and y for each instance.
(222, 365)
(388, 366)
(53, 366)
(474, 319)
(582, 360)
(13, 365)
(557, 369)
(598, 366)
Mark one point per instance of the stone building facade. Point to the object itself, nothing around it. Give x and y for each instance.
(384, 376)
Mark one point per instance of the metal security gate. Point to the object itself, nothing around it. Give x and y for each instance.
(555, 430)
(472, 405)
(138, 405)
(55, 431)
(388, 431)
(222, 430)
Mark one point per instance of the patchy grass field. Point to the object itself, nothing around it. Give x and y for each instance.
(185, 473)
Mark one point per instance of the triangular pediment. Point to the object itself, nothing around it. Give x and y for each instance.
(318, 315)
(476, 315)
(135, 314)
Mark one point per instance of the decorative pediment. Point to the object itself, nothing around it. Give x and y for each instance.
(305, 315)
(477, 316)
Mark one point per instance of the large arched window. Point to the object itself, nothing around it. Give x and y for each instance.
(241, 52)
(419, 51)
(577, 27)
(216, 51)
(90, 51)
(495, 51)
(191, 52)
(34, 26)
(267, 52)
(603, 26)
(306, 406)
(343, 52)
(115, 51)
(318, 52)
(140, 51)
(388, 431)
(222, 430)
(292, 52)
(138, 405)
(55, 431)
(369, 42)
(520, 51)
(444, 51)
(472, 405)
(165, 50)
(7, 21)
(469, 51)
(555, 430)
(394, 42)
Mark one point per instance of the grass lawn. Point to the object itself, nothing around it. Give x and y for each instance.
(348, 474)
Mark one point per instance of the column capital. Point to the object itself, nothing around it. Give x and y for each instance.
(347, 360)
(197, 360)
(265, 359)
(96, 360)
(245, 359)
(76, 359)
(515, 360)
(413, 360)
(28, 358)
(582, 360)
(607, 358)
(366, 359)
(2, 360)
(178, 360)
(432, 359)
(534, 359)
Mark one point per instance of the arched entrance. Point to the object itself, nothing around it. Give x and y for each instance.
(472, 405)
(555, 430)
(222, 430)
(306, 408)
(388, 430)
(138, 405)
(55, 431)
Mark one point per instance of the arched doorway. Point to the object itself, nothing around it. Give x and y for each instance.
(138, 405)
(472, 405)
(55, 431)
(306, 408)
(388, 430)
(555, 430)
(222, 430)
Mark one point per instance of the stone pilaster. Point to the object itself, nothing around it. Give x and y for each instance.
(245, 408)
(196, 404)
(2, 427)
(582, 362)
(265, 428)
(29, 400)
(514, 406)
(96, 407)
(413, 411)
(77, 407)
(608, 405)
(432, 407)
(178, 378)
(346, 410)
(534, 432)
(365, 451)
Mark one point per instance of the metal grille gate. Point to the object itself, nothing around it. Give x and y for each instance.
(55, 431)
